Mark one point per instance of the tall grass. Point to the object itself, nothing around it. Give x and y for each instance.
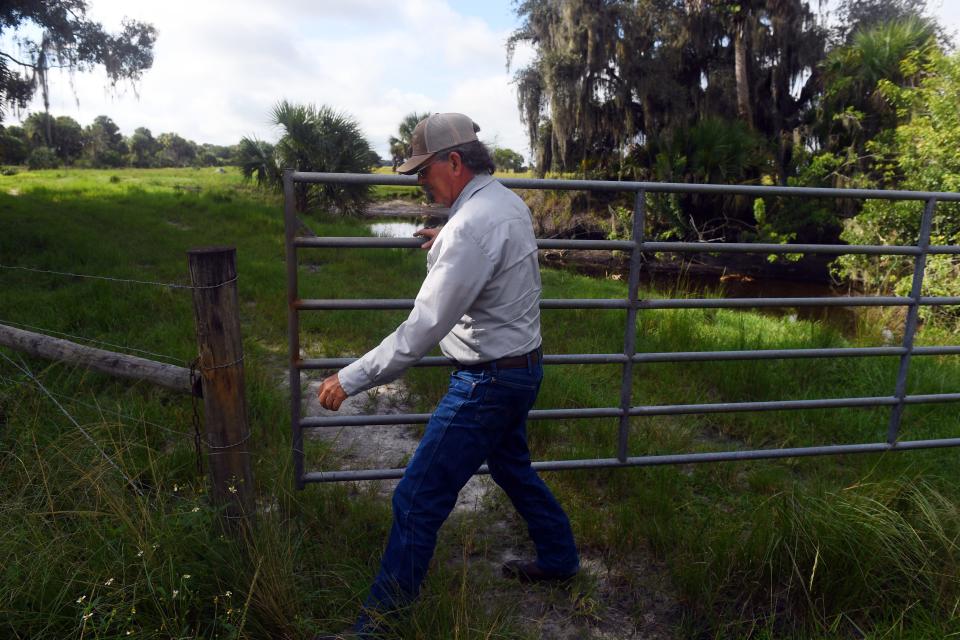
(847, 546)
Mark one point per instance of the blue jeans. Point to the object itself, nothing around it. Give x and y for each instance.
(483, 416)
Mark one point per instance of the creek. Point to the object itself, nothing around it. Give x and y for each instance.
(674, 280)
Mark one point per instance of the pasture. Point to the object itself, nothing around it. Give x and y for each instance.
(839, 547)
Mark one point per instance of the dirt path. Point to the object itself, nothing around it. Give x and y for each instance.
(608, 601)
(380, 447)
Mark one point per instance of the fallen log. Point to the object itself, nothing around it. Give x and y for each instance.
(121, 365)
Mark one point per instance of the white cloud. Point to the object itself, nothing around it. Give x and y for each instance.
(220, 66)
(492, 103)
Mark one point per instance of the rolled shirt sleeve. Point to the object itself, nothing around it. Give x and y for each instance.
(459, 272)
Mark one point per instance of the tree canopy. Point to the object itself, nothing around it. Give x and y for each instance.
(854, 109)
(507, 159)
(736, 91)
(858, 15)
(611, 74)
(922, 152)
(67, 39)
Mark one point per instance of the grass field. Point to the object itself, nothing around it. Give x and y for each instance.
(840, 547)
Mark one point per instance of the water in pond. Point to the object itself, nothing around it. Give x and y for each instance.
(395, 228)
(695, 285)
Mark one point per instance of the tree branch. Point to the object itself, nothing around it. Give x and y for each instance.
(34, 66)
(22, 64)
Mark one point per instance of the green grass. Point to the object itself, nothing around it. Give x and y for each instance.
(850, 546)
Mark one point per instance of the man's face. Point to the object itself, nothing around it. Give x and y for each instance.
(437, 180)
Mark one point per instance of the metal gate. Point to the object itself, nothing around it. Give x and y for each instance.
(897, 401)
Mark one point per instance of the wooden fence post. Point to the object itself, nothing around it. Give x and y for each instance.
(213, 273)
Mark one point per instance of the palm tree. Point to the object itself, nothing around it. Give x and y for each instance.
(317, 139)
(256, 160)
(855, 108)
(860, 15)
(776, 46)
(401, 148)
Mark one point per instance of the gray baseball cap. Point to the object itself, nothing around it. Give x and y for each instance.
(437, 133)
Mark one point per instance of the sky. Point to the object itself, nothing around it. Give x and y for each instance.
(221, 65)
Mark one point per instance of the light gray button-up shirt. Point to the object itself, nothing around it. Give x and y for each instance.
(481, 298)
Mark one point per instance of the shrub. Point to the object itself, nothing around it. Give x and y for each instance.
(42, 158)
(12, 149)
(922, 154)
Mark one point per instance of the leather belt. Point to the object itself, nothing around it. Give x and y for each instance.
(513, 362)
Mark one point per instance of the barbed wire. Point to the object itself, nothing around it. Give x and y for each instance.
(170, 285)
(103, 410)
(172, 359)
(26, 370)
(239, 442)
(221, 366)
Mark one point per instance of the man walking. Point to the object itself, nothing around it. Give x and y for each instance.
(480, 302)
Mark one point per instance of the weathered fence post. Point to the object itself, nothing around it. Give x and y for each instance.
(213, 273)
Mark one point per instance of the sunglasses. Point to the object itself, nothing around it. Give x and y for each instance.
(422, 173)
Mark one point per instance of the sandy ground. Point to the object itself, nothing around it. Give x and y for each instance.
(405, 208)
(610, 600)
(381, 447)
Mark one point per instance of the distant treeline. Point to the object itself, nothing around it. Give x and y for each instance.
(47, 142)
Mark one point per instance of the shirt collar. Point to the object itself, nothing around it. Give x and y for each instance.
(476, 183)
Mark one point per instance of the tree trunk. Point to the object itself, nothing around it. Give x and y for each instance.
(779, 91)
(741, 65)
(545, 151)
(784, 155)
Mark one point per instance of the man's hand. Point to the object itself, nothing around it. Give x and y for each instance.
(331, 394)
(429, 233)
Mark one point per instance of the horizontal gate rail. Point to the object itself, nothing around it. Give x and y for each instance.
(353, 304)
(676, 356)
(667, 459)
(632, 304)
(652, 410)
(353, 242)
(650, 187)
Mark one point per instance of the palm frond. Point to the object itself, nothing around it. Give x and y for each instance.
(323, 139)
(257, 161)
